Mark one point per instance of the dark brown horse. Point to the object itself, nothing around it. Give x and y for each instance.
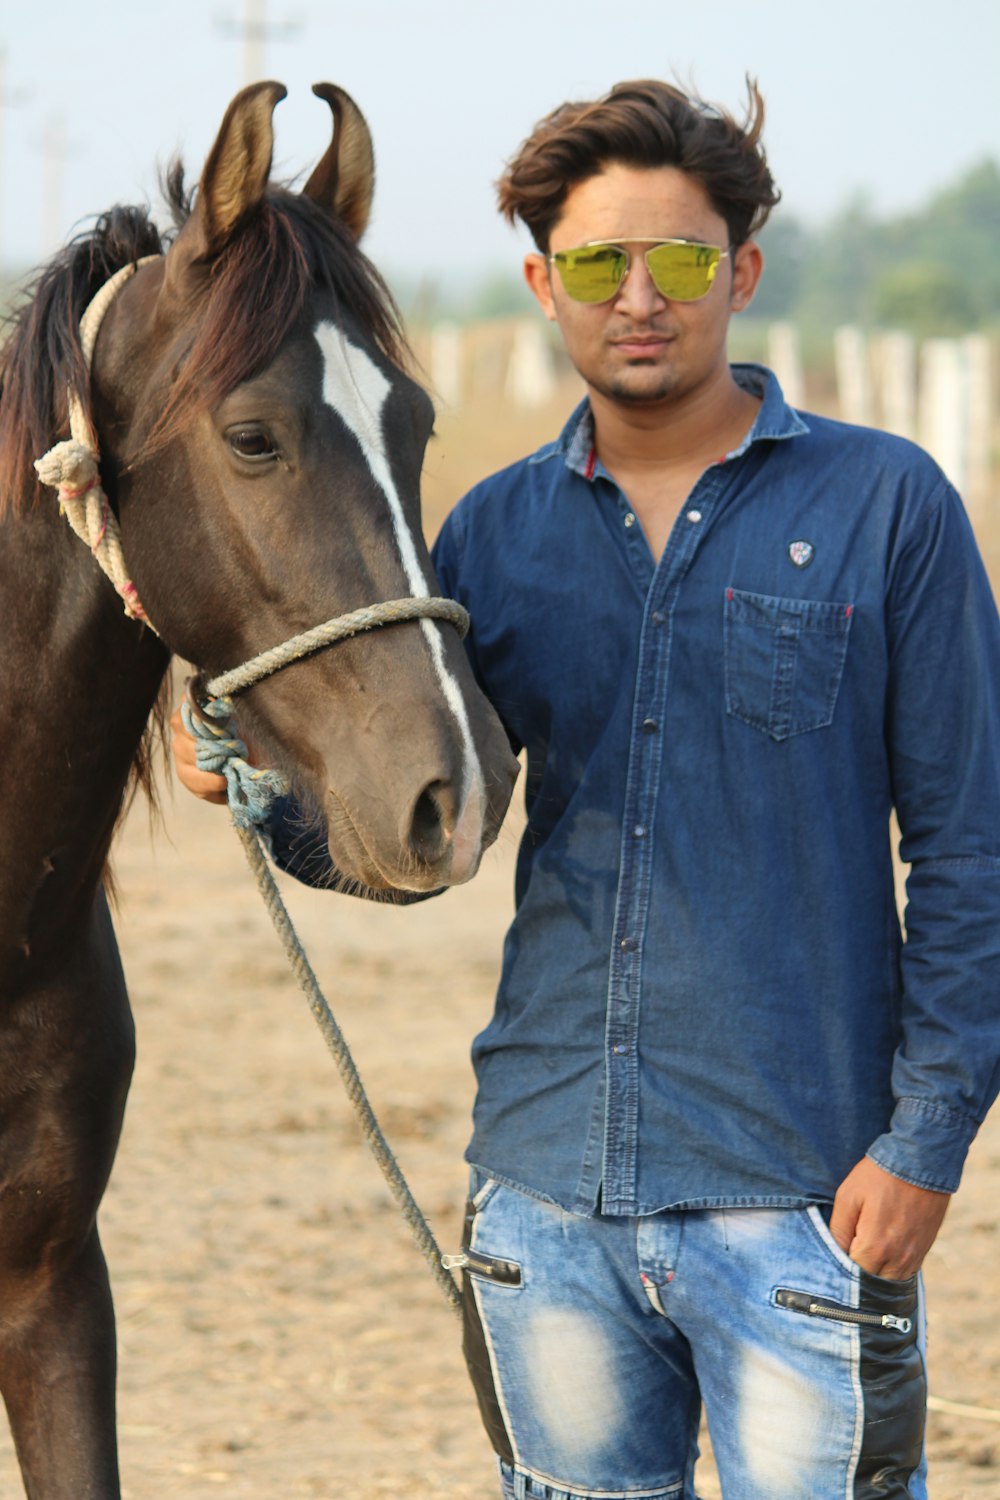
(261, 449)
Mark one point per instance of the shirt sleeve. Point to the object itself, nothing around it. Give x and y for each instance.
(943, 735)
(457, 578)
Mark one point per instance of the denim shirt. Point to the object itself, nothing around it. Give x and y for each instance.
(705, 998)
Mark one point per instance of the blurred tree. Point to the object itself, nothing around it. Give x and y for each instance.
(837, 269)
(933, 271)
(960, 230)
(785, 243)
(502, 296)
(927, 300)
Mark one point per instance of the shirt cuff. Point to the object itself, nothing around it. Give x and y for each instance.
(926, 1145)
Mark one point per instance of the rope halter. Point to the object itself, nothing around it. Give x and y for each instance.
(208, 710)
(72, 468)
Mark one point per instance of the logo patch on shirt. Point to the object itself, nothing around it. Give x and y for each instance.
(801, 553)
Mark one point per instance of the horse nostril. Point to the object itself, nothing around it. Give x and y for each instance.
(433, 821)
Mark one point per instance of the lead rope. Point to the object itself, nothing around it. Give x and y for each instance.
(73, 469)
(350, 1077)
(251, 794)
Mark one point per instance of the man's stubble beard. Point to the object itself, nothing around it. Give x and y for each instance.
(620, 388)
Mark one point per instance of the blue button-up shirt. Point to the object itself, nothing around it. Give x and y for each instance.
(705, 999)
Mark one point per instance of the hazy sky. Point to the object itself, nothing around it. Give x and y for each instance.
(891, 97)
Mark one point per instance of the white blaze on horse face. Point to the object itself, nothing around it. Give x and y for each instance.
(357, 390)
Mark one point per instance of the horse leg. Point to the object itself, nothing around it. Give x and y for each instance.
(58, 1381)
(66, 1055)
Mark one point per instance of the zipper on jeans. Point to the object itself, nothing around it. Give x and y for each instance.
(836, 1312)
(506, 1272)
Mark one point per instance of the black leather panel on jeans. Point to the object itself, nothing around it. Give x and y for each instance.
(477, 1358)
(894, 1388)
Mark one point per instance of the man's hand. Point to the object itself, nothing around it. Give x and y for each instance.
(204, 784)
(884, 1224)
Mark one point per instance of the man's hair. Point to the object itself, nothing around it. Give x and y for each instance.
(643, 124)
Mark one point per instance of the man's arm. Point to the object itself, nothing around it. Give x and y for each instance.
(943, 740)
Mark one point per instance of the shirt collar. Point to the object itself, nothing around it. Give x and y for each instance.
(774, 422)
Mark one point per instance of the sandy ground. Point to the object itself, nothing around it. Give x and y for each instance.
(279, 1334)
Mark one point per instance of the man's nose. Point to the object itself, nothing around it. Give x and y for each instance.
(638, 294)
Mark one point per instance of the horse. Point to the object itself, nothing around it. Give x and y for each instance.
(261, 440)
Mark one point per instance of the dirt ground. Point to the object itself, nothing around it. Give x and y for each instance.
(279, 1334)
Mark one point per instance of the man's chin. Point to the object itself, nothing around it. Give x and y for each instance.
(633, 391)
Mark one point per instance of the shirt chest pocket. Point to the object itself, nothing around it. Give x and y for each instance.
(784, 659)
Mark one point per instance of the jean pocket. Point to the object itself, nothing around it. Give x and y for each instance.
(481, 1188)
(496, 1269)
(819, 1223)
(820, 1227)
(784, 659)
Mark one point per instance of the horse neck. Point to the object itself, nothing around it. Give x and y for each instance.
(77, 683)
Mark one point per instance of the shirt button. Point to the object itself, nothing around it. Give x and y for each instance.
(638, 831)
(628, 945)
(657, 618)
(650, 726)
(619, 1049)
(694, 516)
(630, 519)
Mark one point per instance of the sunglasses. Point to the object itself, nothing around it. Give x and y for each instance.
(681, 270)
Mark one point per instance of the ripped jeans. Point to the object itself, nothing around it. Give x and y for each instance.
(592, 1343)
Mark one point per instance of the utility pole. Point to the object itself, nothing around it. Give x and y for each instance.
(8, 98)
(255, 31)
(56, 152)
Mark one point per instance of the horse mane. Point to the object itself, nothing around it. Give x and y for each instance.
(42, 357)
(253, 292)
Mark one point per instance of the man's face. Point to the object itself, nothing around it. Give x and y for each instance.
(641, 348)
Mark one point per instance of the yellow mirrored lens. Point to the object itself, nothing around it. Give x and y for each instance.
(593, 273)
(683, 273)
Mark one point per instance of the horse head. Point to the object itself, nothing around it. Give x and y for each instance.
(262, 444)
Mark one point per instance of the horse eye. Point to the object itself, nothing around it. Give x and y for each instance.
(252, 442)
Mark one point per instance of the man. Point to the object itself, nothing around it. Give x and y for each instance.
(721, 1107)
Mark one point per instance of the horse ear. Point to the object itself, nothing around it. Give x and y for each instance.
(238, 166)
(344, 180)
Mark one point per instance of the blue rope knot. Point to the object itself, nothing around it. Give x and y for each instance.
(250, 791)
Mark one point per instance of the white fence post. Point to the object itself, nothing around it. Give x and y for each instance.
(446, 363)
(530, 376)
(854, 386)
(784, 355)
(979, 422)
(895, 360)
(941, 411)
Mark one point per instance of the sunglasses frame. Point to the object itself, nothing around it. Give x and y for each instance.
(622, 245)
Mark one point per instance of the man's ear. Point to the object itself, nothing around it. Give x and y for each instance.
(536, 274)
(748, 267)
